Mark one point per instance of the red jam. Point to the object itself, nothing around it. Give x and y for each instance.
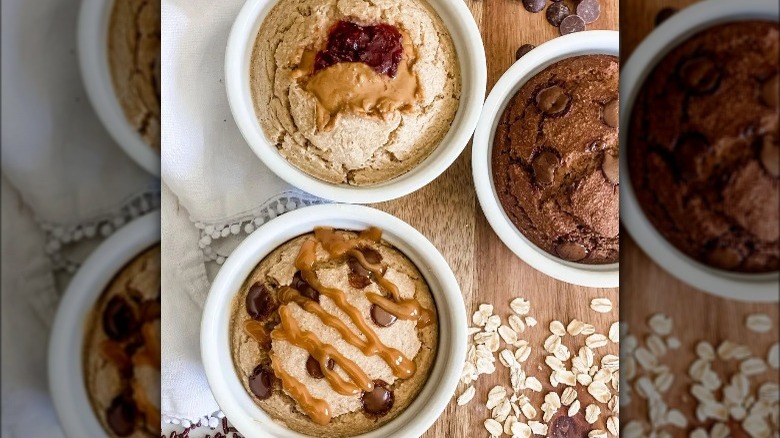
(379, 46)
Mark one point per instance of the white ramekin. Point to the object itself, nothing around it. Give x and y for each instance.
(65, 367)
(94, 17)
(675, 30)
(473, 70)
(230, 394)
(580, 43)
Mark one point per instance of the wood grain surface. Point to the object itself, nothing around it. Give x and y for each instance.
(648, 289)
(447, 212)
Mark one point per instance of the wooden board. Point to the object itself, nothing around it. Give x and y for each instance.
(447, 212)
(649, 289)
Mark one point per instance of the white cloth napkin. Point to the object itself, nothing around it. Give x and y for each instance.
(65, 184)
(215, 192)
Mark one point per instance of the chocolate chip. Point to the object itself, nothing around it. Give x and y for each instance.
(610, 113)
(119, 319)
(589, 10)
(770, 155)
(663, 15)
(259, 302)
(572, 251)
(770, 91)
(378, 401)
(610, 167)
(314, 369)
(533, 5)
(724, 258)
(523, 50)
(359, 277)
(552, 100)
(372, 256)
(261, 382)
(556, 12)
(571, 24)
(299, 284)
(565, 427)
(689, 151)
(121, 414)
(700, 75)
(382, 317)
(544, 166)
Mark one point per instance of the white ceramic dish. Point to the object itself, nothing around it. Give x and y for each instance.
(65, 367)
(581, 43)
(230, 394)
(94, 17)
(675, 30)
(473, 70)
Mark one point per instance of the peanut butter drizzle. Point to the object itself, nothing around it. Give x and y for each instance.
(292, 333)
(317, 409)
(401, 366)
(355, 88)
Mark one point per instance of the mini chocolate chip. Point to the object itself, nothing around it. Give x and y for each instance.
(700, 75)
(533, 5)
(523, 50)
(556, 12)
(589, 10)
(121, 414)
(724, 258)
(572, 251)
(571, 24)
(565, 427)
(378, 401)
(119, 319)
(770, 155)
(314, 369)
(663, 15)
(382, 317)
(299, 284)
(544, 166)
(552, 100)
(259, 302)
(610, 167)
(610, 113)
(689, 152)
(770, 91)
(261, 382)
(359, 277)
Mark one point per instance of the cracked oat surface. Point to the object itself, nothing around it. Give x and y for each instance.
(359, 150)
(134, 60)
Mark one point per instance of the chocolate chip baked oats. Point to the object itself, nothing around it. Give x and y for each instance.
(555, 159)
(122, 351)
(334, 333)
(703, 147)
(354, 92)
(134, 61)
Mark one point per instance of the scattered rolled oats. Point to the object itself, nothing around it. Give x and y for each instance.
(676, 418)
(521, 430)
(614, 332)
(538, 428)
(507, 358)
(528, 411)
(597, 433)
(530, 321)
(729, 350)
(492, 323)
(599, 391)
(613, 425)
(592, 413)
(467, 395)
(508, 423)
(660, 324)
(520, 306)
(507, 334)
(533, 384)
(601, 305)
(568, 396)
(575, 327)
(596, 340)
(588, 329)
(773, 356)
(522, 353)
(551, 343)
(752, 366)
(554, 363)
(673, 343)
(553, 399)
(516, 323)
(656, 345)
(562, 353)
(495, 396)
(610, 361)
(759, 322)
(556, 327)
(705, 351)
(502, 410)
(494, 427)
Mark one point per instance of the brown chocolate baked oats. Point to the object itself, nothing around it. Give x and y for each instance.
(555, 159)
(122, 351)
(334, 333)
(134, 61)
(703, 147)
